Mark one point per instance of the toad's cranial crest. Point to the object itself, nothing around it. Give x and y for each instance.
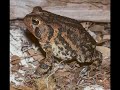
(62, 37)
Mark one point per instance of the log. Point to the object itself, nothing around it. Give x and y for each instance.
(19, 8)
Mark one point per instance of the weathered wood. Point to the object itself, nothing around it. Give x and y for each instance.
(82, 12)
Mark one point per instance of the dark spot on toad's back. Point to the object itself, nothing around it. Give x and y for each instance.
(51, 31)
(56, 41)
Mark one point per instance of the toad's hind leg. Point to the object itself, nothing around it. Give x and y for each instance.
(97, 61)
(94, 66)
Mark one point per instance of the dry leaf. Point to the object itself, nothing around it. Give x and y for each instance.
(62, 74)
(104, 50)
(15, 68)
(86, 25)
(31, 52)
(24, 88)
(106, 84)
(20, 88)
(42, 84)
(99, 38)
(15, 59)
(93, 87)
(36, 55)
(12, 88)
(96, 28)
(106, 37)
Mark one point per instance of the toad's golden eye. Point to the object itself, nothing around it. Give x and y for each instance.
(35, 21)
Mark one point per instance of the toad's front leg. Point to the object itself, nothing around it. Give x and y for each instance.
(46, 63)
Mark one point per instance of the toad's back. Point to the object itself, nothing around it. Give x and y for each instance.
(69, 41)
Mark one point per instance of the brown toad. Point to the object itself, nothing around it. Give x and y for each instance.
(63, 38)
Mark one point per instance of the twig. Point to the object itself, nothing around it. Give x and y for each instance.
(55, 69)
(87, 2)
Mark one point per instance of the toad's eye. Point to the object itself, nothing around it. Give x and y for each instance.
(35, 22)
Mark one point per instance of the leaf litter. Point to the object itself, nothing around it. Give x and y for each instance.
(25, 56)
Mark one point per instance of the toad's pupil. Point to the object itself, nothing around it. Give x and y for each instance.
(35, 22)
